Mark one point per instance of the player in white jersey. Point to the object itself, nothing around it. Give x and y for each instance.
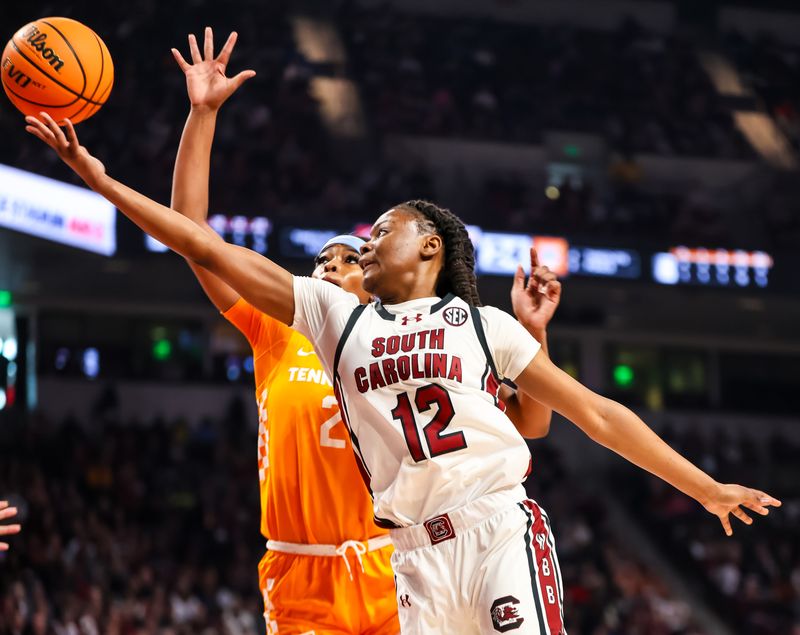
(472, 554)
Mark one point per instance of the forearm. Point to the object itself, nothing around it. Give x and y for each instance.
(164, 224)
(192, 165)
(626, 434)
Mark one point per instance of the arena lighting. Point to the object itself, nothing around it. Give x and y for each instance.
(712, 267)
(5, 298)
(623, 375)
(239, 230)
(56, 211)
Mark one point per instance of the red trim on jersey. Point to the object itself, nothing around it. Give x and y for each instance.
(492, 386)
(540, 540)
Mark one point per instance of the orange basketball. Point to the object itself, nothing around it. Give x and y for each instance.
(58, 66)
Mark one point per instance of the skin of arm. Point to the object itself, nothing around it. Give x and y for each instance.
(264, 284)
(616, 427)
(534, 304)
(208, 88)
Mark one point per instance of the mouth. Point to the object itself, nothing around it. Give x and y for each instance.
(332, 280)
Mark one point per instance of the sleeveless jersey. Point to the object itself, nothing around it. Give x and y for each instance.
(311, 490)
(418, 383)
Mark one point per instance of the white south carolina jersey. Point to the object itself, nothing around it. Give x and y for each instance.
(418, 385)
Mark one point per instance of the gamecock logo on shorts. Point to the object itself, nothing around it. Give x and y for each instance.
(505, 616)
(439, 529)
(455, 315)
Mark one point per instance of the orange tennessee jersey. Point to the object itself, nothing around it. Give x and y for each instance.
(311, 490)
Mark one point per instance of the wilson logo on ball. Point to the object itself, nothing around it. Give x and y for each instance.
(38, 41)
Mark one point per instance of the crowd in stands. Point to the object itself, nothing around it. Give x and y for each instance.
(474, 77)
(752, 579)
(153, 528)
(454, 77)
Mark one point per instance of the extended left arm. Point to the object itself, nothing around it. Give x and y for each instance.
(616, 427)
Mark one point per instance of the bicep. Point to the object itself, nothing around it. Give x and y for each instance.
(551, 386)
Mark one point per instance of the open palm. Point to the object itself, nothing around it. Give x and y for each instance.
(206, 82)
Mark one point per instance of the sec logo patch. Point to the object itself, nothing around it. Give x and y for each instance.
(455, 315)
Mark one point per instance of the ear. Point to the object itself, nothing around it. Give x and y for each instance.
(431, 246)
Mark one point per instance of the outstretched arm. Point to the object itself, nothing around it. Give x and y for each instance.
(534, 304)
(7, 530)
(264, 284)
(613, 425)
(208, 88)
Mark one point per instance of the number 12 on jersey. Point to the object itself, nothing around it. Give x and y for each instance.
(438, 442)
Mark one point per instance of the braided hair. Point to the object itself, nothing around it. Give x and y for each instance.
(458, 273)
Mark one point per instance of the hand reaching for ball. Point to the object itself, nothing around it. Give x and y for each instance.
(65, 143)
(206, 82)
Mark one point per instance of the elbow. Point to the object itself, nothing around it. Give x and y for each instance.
(537, 428)
(597, 424)
(199, 248)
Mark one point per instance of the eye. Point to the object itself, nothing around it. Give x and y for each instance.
(320, 260)
(352, 259)
(381, 231)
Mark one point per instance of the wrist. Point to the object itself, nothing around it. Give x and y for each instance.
(709, 492)
(203, 110)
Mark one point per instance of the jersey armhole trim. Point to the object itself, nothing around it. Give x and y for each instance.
(476, 321)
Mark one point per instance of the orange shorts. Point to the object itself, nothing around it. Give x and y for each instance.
(314, 595)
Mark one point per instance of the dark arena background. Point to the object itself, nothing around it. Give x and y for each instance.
(649, 149)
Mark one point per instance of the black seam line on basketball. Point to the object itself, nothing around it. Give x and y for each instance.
(36, 103)
(74, 53)
(102, 64)
(449, 297)
(476, 321)
(64, 86)
(95, 107)
(531, 567)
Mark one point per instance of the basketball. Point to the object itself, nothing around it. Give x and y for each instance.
(59, 66)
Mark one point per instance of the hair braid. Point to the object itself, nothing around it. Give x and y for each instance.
(458, 274)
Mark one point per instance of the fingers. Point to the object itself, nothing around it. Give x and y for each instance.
(7, 530)
(61, 140)
(766, 499)
(38, 129)
(741, 515)
(225, 53)
(534, 258)
(726, 524)
(242, 77)
(6, 511)
(195, 52)
(182, 63)
(208, 44)
(72, 137)
(519, 279)
(3, 504)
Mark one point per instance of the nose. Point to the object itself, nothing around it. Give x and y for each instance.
(330, 265)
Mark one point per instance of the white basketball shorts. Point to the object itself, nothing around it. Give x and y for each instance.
(487, 567)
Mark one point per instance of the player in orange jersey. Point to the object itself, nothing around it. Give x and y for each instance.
(327, 566)
(7, 512)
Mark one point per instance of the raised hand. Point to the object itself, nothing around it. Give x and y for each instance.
(729, 499)
(7, 530)
(206, 82)
(65, 143)
(536, 301)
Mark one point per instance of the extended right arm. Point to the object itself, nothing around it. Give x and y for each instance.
(264, 284)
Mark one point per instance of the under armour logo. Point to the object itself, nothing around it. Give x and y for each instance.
(405, 601)
(407, 318)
